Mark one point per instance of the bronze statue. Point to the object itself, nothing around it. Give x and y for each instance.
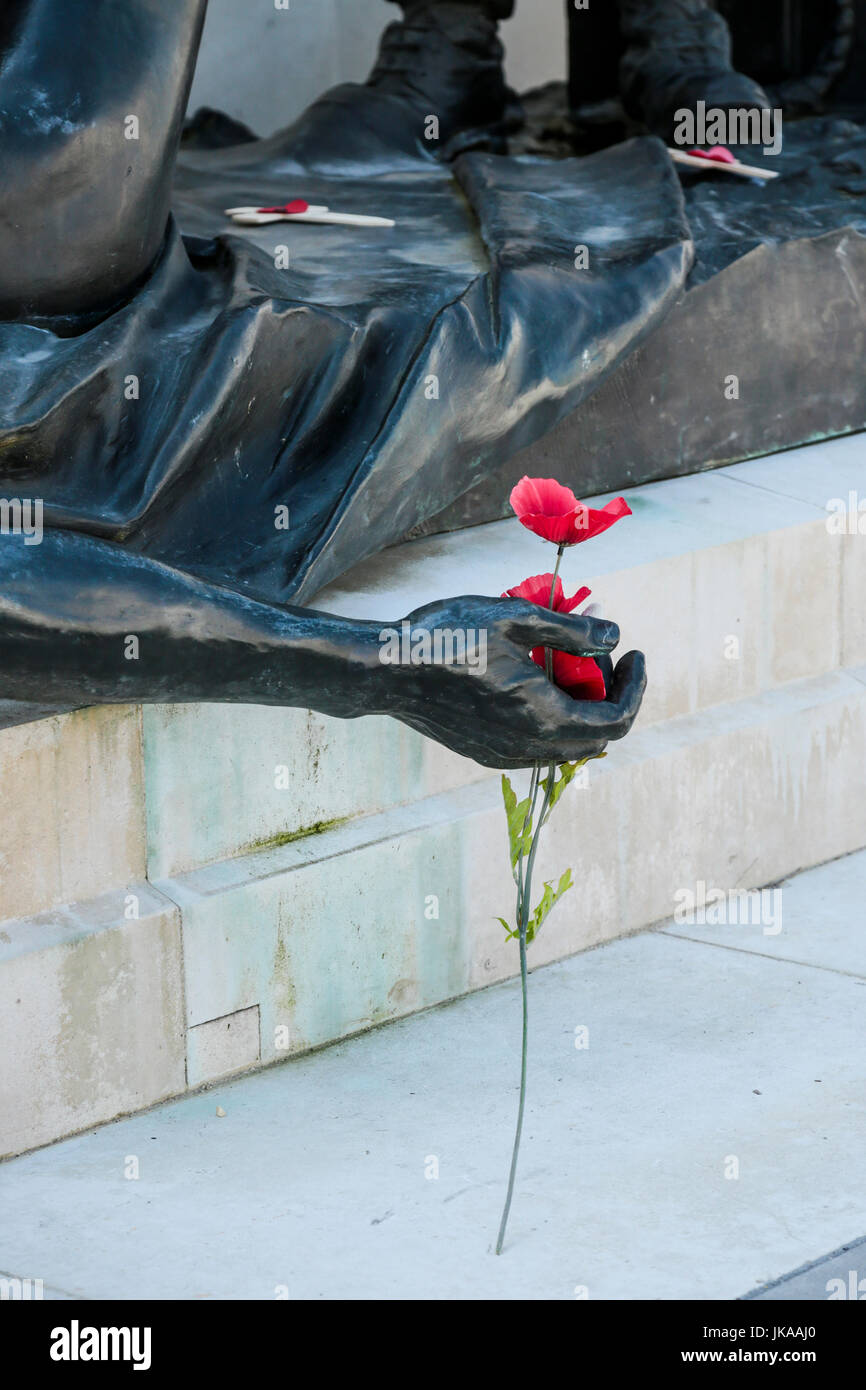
(92, 98)
(165, 394)
(669, 54)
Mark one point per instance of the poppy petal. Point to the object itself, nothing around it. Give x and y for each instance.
(568, 605)
(542, 497)
(537, 590)
(581, 677)
(593, 521)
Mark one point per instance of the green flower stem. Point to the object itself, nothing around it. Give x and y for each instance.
(524, 901)
(548, 654)
(527, 820)
(522, 928)
(507, 1208)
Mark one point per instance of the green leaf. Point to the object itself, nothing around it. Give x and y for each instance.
(549, 899)
(519, 827)
(511, 931)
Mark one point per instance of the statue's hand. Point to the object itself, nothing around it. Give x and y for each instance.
(503, 711)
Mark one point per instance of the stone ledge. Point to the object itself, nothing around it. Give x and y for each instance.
(71, 808)
(294, 946)
(331, 935)
(91, 1015)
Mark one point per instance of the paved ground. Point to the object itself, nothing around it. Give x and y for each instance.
(707, 1142)
(839, 1276)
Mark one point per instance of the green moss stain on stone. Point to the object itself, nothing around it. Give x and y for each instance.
(284, 985)
(288, 837)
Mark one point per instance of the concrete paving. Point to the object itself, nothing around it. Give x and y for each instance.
(838, 1277)
(800, 920)
(705, 1143)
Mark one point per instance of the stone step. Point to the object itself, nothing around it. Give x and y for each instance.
(730, 581)
(243, 961)
(91, 1014)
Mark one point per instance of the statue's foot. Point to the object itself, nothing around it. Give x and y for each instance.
(679, 54)
(446, 58)
(437, 86)
(673, 92)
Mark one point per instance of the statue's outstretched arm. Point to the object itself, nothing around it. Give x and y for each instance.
(83, 621)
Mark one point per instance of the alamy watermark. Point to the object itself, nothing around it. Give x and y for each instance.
(22, 516)
(854, 1288)
(846, 518)
(703, 906)
(438, 646)
(739, 125)
(15, 1290)
(77, 1343)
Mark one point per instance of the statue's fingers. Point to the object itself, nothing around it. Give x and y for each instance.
(625, 693)
(565, 632)
(612, 717)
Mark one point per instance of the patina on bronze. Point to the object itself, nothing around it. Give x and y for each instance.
(169, 387)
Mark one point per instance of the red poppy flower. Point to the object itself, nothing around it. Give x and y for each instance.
(579, 676)
(720, 153)
(553, 512)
